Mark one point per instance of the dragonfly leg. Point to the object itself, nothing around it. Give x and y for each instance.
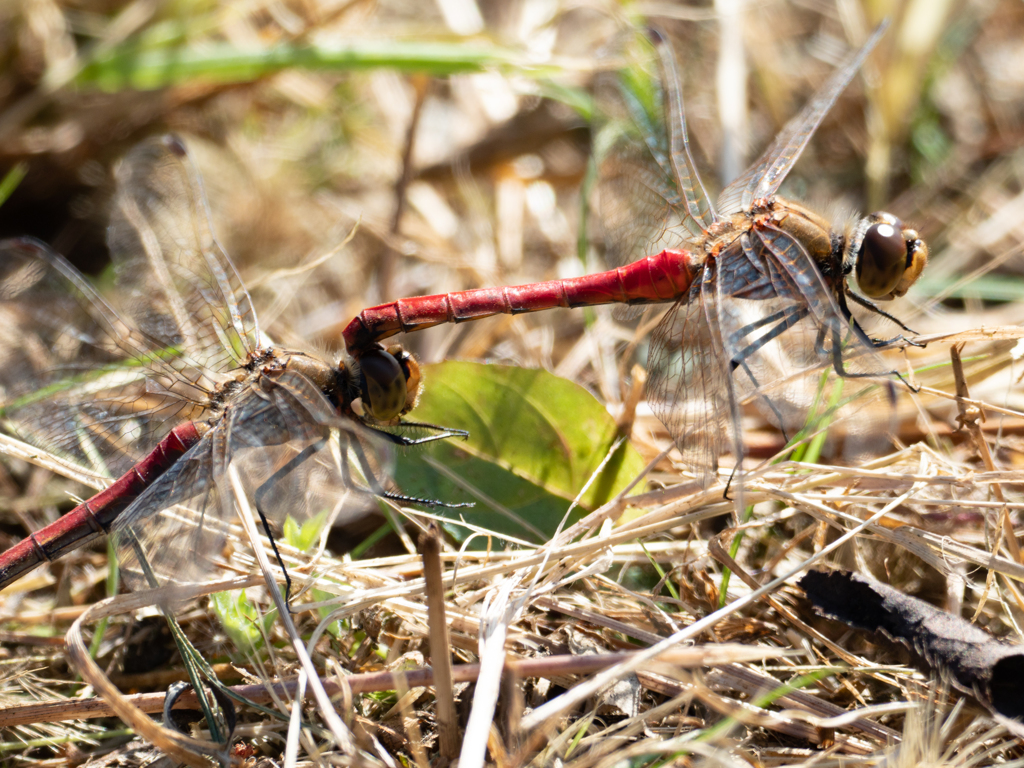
(443, 433)
(837, 350)
(425, 502)
(737, 447)
(172, 721)
(872, 307)
(840, 369)
(788, 318)
(749, 328)
(768, 402)
(261, 492)
(883, 343)
(876, 343)
(378, 490)
(728, 483)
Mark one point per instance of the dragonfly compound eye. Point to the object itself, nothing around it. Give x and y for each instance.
(412, 374)
(383, 385)
(883, 257)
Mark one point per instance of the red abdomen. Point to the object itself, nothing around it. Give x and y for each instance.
(93, 518)
(664, 277)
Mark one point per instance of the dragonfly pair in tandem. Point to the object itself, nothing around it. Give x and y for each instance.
(759, 308)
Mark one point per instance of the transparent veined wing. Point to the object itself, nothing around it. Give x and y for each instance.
(764, 177)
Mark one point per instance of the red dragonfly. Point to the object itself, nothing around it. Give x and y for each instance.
(758, 283)
(174, 383)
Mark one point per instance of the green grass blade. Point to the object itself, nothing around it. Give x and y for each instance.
(160, 67)
(11, 180)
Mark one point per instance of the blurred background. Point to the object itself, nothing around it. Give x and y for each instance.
(356, 152)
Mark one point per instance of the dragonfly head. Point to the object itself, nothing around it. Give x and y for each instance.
(888, 256)
(389, 382)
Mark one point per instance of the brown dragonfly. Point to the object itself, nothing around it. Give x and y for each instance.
(159, 393)
(758, 284)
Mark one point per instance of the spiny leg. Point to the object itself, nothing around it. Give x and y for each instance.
(837, 355)
(368, 472)
(876, 343)
(737, 448)
(787, 317)
(790, 317)
(838, 362)
(378, 490)
(443, 433)
(872, 307)
(262, 491)
(314, 448)
(761, 322)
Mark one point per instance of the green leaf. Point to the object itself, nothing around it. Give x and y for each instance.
(240, 620)
(335, 628)
(535, 441)
(303, 538)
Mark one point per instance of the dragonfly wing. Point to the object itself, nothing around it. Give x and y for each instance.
(688, 380)
(698, 203)
(649, 195)
(76, 380)
(175, 531)
(178, 284)
(765, 176)
(296, 460)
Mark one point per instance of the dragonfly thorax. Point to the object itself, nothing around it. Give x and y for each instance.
(886, 255)
(807, 227)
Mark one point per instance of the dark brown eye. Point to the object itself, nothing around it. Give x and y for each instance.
(882, 259)
(411, 372)
(383, 385)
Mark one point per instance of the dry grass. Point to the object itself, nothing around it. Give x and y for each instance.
(294, 159)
